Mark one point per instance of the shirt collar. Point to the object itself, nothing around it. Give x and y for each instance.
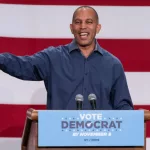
(73, 46)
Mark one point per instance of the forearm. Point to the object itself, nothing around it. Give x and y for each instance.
(125, 105)
(17, 66)
(120, 92)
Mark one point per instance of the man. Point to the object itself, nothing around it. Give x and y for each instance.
(80, 67)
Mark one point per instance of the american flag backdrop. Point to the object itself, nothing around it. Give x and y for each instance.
(28, 26)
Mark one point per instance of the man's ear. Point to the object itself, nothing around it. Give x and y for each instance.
(71, 28)
(98, 28)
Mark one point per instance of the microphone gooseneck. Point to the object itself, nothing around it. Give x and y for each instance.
(79, 100)
(92, 99)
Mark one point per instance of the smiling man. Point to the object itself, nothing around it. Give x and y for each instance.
(85, 25)
(80, 67)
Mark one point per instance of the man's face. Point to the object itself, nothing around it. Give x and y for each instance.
(85, 26)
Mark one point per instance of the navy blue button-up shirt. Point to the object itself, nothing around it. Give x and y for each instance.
(66, 73)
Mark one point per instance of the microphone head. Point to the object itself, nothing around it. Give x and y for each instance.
(92, 97)
(79, 97)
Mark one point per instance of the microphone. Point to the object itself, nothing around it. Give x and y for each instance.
(92, 98)
(79, 100)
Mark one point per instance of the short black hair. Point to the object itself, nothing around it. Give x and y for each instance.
(96, 14)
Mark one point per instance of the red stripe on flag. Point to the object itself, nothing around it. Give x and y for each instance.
(133, 53)
(79, 2)
(13, 118)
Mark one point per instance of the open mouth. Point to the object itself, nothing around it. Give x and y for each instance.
(84, 35)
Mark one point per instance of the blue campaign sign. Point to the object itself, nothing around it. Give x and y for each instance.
(58, 128)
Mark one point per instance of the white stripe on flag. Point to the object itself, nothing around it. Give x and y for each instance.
(53, 22)
(16, 91)
(15, 143)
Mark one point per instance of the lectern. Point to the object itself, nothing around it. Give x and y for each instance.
(30, 136)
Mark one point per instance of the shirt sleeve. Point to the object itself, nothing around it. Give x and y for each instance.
(120, 94)
(35, 67)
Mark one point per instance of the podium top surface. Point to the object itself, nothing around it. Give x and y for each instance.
(33, 114)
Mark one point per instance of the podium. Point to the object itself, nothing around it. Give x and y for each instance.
(30, 136)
